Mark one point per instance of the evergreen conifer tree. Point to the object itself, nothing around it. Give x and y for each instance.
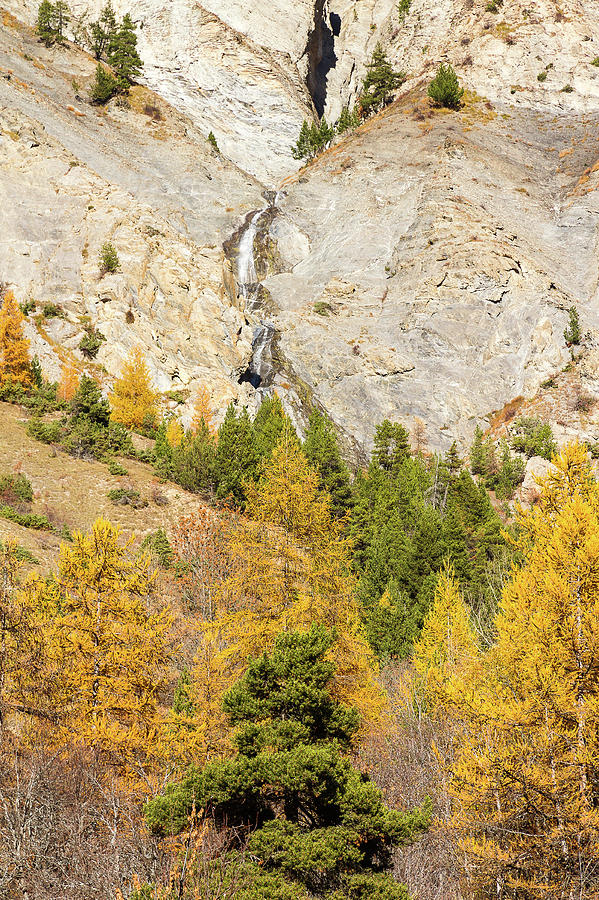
(380, 82)
(62, 17)
(103, 31)
(105, 85)
(347, 120)
(316, 825)
(445, 88)
(46, 23)
(302, 149)
(267, 426)
(452, 459)
(478, 458)
(391, 446)
(163, 453)
(89, 404)
(192, 461)
(572, 332)
(36, 372)
(236, 460)
(123, 55)
(322, 452)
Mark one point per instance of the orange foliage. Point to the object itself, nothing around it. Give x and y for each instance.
(15, 364)
(69, 382)
(202, 412)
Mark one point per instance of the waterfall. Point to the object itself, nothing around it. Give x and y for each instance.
(260, 371)
(246, 266)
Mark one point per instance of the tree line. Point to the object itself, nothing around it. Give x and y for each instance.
(107, 38)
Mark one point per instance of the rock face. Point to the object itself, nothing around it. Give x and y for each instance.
(443, 255)
(422, 268)
(153, 188)
(251, 72)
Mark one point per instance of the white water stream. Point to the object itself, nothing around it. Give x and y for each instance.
(260, 370)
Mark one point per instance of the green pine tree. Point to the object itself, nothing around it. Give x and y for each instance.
(347, 120)
(380, 82)
(478, 456)
(572, 332)
(104, 87)
(302, 148)
(391, 446)
(452, 459)
(89, 404)
(322, 452)
(103, 31)
(445, 88)
(510, 473)
(236, 459)
(46, 22)
(62, 18)
(268, 426)
(316, 826)
(123, 55)
(192, 462)
(36, 372)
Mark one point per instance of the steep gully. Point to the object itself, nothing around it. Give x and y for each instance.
(243, 252)
(241, 248)
(248, 249)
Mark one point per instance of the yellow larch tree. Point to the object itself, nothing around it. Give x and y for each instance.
(447, 644)
(525, 776)
(15, 364)
(290, 567)
(202, 413)
(133, 400)
(105, 653)
(69, 381)
(20, 648)
(174, 433)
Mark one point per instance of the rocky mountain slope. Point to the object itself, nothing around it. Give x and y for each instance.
(421, 268)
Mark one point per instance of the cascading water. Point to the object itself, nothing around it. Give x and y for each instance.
(246, 266)
(260, 371)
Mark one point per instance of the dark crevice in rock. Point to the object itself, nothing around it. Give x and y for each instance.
(321, 53)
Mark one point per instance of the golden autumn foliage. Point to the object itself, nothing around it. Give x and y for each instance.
(20, 655)
(290, 567)
(69, 382)
(133, 399)
(202, 413)
(15, 364)
(447, 644)
(174, 433)
(525, 776)
(104, 652)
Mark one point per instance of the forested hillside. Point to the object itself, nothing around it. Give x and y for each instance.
(314, 682)
(299, 421)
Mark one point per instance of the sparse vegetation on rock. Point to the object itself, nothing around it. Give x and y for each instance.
(380, 82)
(91, 342)
(533, 437)
(52, 19)
(105, 85)
(108, 257)
(445, 87)
(572, 331)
